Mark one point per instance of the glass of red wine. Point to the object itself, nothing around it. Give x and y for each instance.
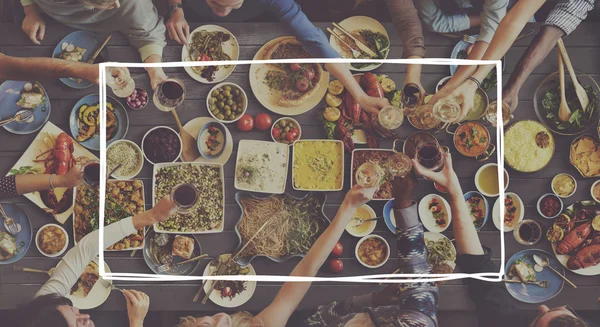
(430, 154)
(185, 197)
(528, 232)
(169, 94)
(91, 173)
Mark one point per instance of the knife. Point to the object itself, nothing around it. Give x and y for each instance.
(91, 61)
(360, 45)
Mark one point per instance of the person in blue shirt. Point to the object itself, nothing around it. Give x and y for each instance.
(288, 11)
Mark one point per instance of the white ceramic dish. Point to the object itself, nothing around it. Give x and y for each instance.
(506, 180)
(57, 254)
(556, 197)
(372, 224)
(296, 123)
(427, 217)
(592, 190)
(387, 257)
(520, 213)
(340, 144)
(167, 127)
(569, 195)
(244, 97)
(97, 295)
(140, 157)
(429, 236)
(193, 127)
(248, 147)
(237, 300)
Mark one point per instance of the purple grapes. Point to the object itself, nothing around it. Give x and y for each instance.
(138, 99)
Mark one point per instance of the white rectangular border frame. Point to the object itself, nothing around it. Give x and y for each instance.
(392, 278)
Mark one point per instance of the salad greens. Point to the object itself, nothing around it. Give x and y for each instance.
(579, 119)
(376, 41)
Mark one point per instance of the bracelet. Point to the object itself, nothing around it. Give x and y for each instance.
(51, 184)
(471, 78)
(175, 6)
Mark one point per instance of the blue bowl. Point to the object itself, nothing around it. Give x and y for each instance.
(10, 93)
(387, 216)
(24, 237)
(199, 140)
(469, 195)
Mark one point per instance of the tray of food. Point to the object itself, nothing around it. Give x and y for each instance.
(261, 166)
(294, 224)
(89, 292)
(378, 157)
(318, 165)
(528, 146)
(123, 199)
(207, 215)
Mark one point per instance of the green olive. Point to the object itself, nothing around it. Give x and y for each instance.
(220, 89)
(212, 100)
(226, 93)
(229, 102)
(232, 117)
(213, 107)
(282, 135)
(234, 106)
(215, 93)
(236, 92)
(220, 116)
(227, 87)
(215, 112)
(220, 105)
(286, 129)
(227, 112)
(227, 107)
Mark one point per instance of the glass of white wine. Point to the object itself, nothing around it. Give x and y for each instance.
(369, 175)
(390, 117)
(447, 110)
(399, 164)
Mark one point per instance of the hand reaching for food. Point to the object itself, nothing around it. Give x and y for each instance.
(137, 307)
(371, 104)
(357, 196)
(178, 27)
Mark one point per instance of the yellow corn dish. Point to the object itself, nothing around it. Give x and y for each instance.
(318, 165)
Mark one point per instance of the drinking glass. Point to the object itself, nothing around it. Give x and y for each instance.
(185, 196)
(447, 110)
(369, 175)
(491, 112)
(91, 173)
(411, 97)
(399, 164)
(430, 155)
(528, 232)
(169, 94)
(120, 81)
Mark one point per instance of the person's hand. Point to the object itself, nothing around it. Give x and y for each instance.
(422, 92)
(137, 307)
(511, 98)
(446, 177)
(74, 177)
(157, 77)
(358, 195)
(164, 209)
(178, 27)
(371, 104)
(34, 26)
(386, 296)
(465, 94)
(402, 188)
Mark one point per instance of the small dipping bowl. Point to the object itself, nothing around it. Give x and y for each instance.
(203, 136)
(539, 203)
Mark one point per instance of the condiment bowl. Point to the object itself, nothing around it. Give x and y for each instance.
(200, 140)
(539, 203)
(244, 97)
(369, 230)
(295, 122)
(592, 190)
(165, 127)
(506, 180)
(139, 92)
(442, 82)
(139, 155)
(556, 192)
(57, 254)
(387, 257)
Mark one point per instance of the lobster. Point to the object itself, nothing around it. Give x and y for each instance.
(371, 85)
(58, 160)
(343, 132)
(352, 109)
(574, 239)
(586, 257)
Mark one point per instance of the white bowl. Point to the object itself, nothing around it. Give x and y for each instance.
(373, 223)
(427, 217)
(574, 190)
(294, 121)
(244, 96)
(592, 190)
(140, 156)
(368, 237)
(59, 253)
(496, 212)
(507, 180)
(157, 127)
(442, 82)
(540, 201)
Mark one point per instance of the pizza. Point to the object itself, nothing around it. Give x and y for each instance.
(86, 281)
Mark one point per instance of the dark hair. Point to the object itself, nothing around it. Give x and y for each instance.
(42, 311)
(567, 321)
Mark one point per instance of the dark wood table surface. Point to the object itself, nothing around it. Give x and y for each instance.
(18, 287)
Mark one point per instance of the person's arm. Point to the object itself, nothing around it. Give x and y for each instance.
(436, 20)
(74, 262)
(291, 293)
(33, 23)
(13, 68)
(14, 185)
(178, 28)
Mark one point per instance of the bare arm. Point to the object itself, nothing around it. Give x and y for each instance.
(368, 103)
(474, 20)
(291, 293)
(36, 68)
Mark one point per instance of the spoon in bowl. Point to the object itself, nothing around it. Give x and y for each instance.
(544, 262)
(564, 113)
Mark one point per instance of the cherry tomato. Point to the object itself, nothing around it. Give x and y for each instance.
(302, 85)
(309, 73)
(296, 131)
(337, 250)
(205, 57)
(245, 123)
(291, 137)
(295, 67)
(226, 292)
(336, 266)
(263, 121)
(276, 133)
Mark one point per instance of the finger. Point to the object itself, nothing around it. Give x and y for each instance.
(171, 31)
(176, 34)
(138, 295)
(181, 35)
(448, 159)
(41, 32)
(32, 34)
(186, 30)
(128, 296)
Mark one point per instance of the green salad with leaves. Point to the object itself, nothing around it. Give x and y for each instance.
(580, 119)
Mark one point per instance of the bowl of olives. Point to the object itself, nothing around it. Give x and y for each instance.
(286, 130)
(227, 102)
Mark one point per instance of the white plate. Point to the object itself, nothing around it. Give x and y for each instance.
(245, 146)
(496, 212)
(193, 127)
(351, 24)
(95, 298)
(427, 217)
(231, 47)
(429, 236)
(154, 199)
(340, 144)
(263, 94)
(239, 299)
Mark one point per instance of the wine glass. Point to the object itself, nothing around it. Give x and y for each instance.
(411, 97)
(430, 155)
(185, 196)
(91, 173)
(369, 174)
(447, 110)
(492, 111)
(390, 117)
(169, 94)
(399, 164)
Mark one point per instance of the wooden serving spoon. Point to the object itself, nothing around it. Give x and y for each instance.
(189, 149)
(564, 113)
(579, 90)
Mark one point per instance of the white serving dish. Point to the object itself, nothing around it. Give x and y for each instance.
(387, 257)
(496, 212)
(341, 144)
(246, 144)
(140, 155)
(244, 96)
(427, 217)
(352, 167)
(57, 254)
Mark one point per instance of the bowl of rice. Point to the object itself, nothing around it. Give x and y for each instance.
(528, 146)
(129, 155)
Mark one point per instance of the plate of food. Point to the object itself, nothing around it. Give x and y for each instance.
(522, 267)
(229, 293)
(261, 166)
(210, 43)
(89, 292)
(287, 89)
(528, 146)
(478, 208)
(49, 146)
(85, 125)
(358, 229)
(372, 251)
(24, 95)
(52, 240)
(318, 165)
(546, 102)
(584, 155)
(441, 253)
(378, 157)
(370, 33)
(514, 211)
(14, 247)
(298, 222)
(80, 46)
(163, 249)
(195, 125)
(575, 237)
(208, 213)
(123, 199)
(128, 155)
(435, 213)
(461, 50)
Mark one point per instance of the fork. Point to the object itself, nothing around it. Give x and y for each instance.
(541, 283)
(355, 53)
(10, 224)
(167, 267)
(21, 116)
(109, 285)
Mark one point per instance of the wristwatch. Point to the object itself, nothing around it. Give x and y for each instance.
(175, 6)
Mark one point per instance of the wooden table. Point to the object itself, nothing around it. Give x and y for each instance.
(18, 287)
